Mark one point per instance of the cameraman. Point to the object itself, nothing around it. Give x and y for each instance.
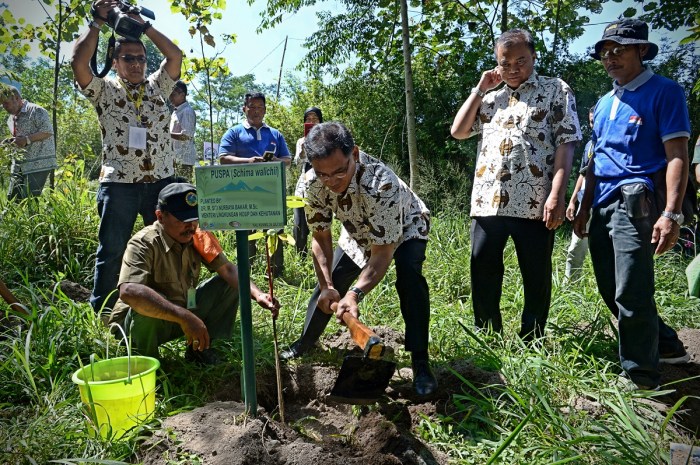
(137, 155)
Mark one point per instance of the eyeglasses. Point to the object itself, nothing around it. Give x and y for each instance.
(131, 58)
(519, 63)
(617, 51)
(342, 173)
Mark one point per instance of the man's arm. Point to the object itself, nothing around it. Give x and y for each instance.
(666, 231)
(172, 53)
(87, 43)
(322, 253)
(554, 207)
(371, 274)
(697, 173)
(584, 210)
(464, 120)
(145, 301)
(229, 273)
(231, 159)
(571, 209)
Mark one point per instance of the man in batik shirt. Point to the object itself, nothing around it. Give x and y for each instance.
(529, 129)
(382, 220)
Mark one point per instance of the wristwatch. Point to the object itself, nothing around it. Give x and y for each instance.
(478, 92)
(94, 24)
(358, 292)
(677, 217)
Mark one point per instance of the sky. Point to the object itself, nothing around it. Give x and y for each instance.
(261, 54)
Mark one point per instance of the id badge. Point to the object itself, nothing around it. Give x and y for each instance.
(137, 137)
(191, 298)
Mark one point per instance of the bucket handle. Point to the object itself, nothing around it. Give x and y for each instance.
(128, 350)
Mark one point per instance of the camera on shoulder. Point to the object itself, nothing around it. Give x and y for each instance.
(124, 25)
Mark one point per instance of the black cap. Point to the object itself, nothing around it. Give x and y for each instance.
(180, 200)
(316, 110)
(627, 32)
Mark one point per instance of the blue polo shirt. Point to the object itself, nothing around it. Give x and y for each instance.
(245, 141)
(631, 124)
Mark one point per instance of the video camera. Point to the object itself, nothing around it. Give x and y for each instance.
(119, 20)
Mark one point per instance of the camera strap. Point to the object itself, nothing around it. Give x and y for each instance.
(108, 58)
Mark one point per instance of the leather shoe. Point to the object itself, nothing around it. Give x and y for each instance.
(424, 382)
(296, 350)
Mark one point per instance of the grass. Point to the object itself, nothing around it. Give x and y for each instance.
(556, 402)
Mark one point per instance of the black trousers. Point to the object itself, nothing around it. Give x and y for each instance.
(411, 286)
(533, 246)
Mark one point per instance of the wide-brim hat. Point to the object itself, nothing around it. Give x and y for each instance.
(180, 200)
(627, 32)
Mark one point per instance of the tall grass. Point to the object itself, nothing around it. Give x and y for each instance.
(557, 402)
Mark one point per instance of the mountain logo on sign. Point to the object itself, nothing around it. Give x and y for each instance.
(241, 186)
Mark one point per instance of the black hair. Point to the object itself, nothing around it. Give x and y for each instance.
(123, 40)
(513, 37)
(253, 95)
(181, 86)
(325, 138)
(316, 110)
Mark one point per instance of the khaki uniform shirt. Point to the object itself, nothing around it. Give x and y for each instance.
(520, 132)
(378, 208)
(156, 260)
(117, 112)
(39, 155)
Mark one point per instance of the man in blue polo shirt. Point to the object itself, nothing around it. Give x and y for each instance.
(641, 130)
(253, 141)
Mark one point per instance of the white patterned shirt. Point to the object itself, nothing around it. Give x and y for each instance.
(377, 208)
(117, 113)
(184, 120)
(39, 155)
(520, 132)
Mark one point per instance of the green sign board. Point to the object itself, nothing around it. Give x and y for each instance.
(247, 196)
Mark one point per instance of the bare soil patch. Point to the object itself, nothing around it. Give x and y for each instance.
(321, 431)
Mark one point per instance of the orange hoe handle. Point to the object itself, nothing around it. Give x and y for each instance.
(362, 335)
(11, 300)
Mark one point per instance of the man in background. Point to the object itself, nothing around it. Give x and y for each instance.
(137, 153)
(253, 141)
(578, 247)
(182, 127)
(32, 133)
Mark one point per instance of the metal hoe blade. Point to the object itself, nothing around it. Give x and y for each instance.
(362, 380)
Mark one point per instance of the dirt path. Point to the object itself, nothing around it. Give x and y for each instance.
(330, 433)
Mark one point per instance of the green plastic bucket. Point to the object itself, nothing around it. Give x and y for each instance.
(120, 393)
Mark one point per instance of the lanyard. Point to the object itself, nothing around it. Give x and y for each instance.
(138, 101)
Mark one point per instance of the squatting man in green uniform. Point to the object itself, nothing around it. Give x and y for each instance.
(159, 299)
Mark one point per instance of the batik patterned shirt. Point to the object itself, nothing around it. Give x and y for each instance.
(377, 208)
(116, 104)
(520, 132)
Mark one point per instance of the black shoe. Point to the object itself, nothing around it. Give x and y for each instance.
(296, 350)
(676, 357)
(424, 382)
(206, 357)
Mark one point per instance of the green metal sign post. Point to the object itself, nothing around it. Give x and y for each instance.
(243, 197)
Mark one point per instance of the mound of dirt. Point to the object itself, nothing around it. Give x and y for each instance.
(319, 430)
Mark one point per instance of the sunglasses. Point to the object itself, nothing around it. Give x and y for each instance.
(132, 58)
(617, 51)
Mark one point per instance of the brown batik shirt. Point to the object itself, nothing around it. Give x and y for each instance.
(520, 132)
(117, 113)
(378, 208)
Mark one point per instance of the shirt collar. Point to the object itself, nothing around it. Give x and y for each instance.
(531, 81)
(182, 105)
(247, 125)
(635, 83)
(168, 241)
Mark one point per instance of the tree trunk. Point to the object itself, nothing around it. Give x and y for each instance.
(410, 104)
(56, 73)
(504, 16)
